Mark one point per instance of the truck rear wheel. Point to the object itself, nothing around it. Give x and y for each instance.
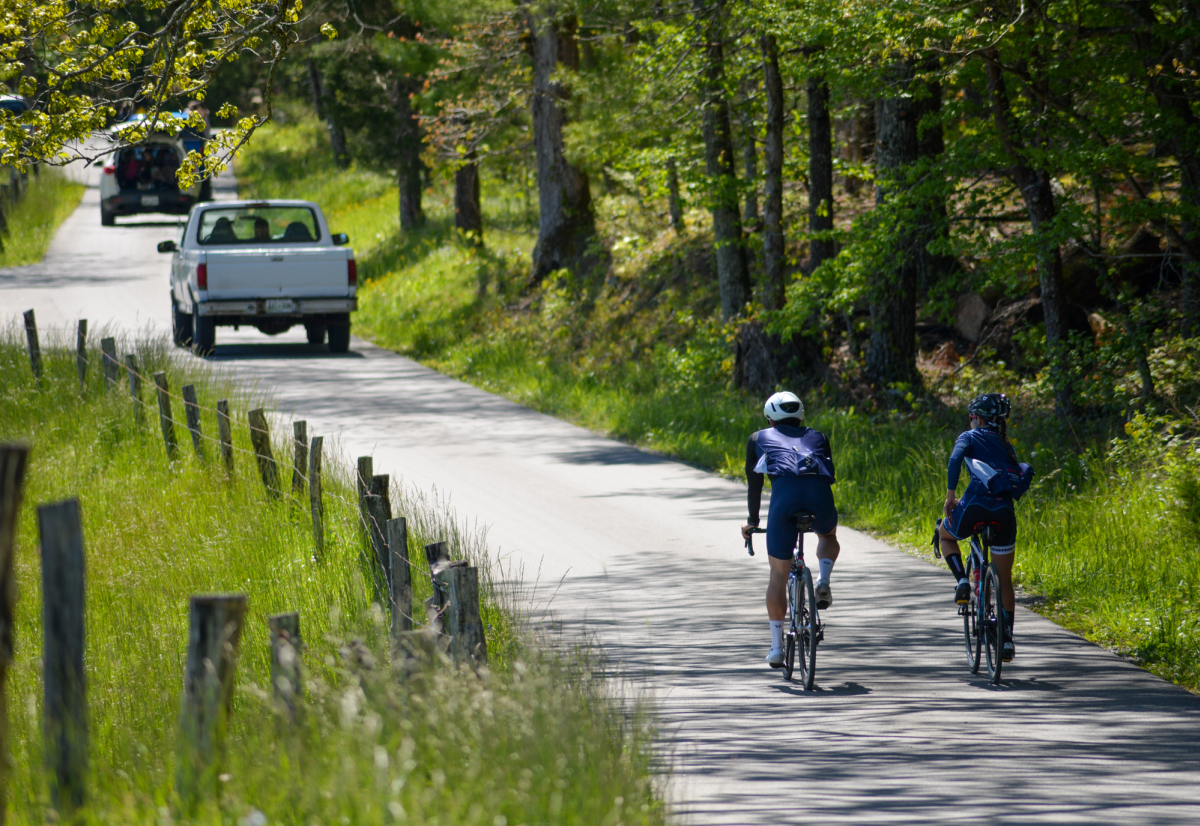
(181, 326)
(315, 333)
(107, 217)
(339, 337)
(204, 334)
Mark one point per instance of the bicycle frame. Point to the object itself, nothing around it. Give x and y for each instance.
(988, 631)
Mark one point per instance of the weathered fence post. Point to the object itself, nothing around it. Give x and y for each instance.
(300, 456)
(379, 511)
(400, 590)
(260, 436)
(108, 358)
(81, 359)
(225, 433)
(164, 414)
(460, 616)
(192, 408)
(437, 554)
(365, 471)
(214, 632)
(64, 707)
(12, 474)
(35, 350)
(135, 387)
(316, 504)
(285, 661)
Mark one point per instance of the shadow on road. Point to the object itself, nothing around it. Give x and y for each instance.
(266, 352)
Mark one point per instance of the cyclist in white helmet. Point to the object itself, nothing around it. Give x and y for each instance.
(799, 461)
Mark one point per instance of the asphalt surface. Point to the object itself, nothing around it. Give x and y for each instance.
(641, 555)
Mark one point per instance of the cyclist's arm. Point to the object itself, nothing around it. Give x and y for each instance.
(754, 482)
(954, 470)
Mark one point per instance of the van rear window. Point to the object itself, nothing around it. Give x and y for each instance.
(251, 225)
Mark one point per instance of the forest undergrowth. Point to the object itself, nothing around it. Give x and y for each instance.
(1108, 536)
(531, 738)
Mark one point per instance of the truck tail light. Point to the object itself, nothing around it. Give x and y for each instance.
(351, 273)
(202, 276)
(110, 170)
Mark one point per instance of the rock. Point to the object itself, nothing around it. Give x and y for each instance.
(1006, 320)
(1081, 277)
(1141, 263)
(1099, 324)
(971, 313)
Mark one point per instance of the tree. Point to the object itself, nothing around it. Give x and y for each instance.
(774, 251)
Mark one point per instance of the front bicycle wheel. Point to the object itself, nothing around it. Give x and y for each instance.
(806, 637)
(789, 642)
(993, 622)
(970, 615)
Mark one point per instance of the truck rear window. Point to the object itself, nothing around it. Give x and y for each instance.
(250, 225)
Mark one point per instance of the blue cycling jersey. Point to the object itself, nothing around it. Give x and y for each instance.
(986, 445)
(784, 452)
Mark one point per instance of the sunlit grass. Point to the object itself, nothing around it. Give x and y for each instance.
(532, 739)
(33, 219)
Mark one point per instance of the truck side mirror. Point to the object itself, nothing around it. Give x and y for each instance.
(340, 239)
(167, 246)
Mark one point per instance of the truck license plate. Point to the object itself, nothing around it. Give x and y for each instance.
(280, 305)
(149, 200)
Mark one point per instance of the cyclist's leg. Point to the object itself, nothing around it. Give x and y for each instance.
(777, 588)
(1004, 567)
(949, 533)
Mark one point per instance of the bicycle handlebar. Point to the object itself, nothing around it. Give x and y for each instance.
(750, 539)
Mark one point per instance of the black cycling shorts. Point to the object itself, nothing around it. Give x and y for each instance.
(795, 493)
(975, 512)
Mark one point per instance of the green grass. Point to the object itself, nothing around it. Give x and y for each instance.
(532, 739)
(33, 219)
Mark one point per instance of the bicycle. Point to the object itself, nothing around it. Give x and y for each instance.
(804, 621)
(983, 616)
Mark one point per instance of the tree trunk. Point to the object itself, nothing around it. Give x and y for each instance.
(932, 267)
(1035, 188)
(859, 144)
(314, 86)
(733, 275)
(468, 216)
(321, 102)
(820, 173)
(674, 200)
(566, 224)
(892, 353)
(408, 139)
(774, 251)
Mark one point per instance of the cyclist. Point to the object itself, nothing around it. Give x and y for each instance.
(800, 464)
(986, 500)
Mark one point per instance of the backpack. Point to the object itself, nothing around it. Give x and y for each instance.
(1011, 479)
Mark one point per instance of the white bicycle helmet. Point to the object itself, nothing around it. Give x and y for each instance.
(782, 406)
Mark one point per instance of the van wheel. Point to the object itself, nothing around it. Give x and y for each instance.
(339, 337)
(107, 218)
(181, 326)
(315, 333)
(204, 334)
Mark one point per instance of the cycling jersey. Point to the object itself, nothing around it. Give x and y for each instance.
(986, 445)
(978, 506)
(800, 464)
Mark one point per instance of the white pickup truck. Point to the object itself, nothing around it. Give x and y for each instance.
(265, 264)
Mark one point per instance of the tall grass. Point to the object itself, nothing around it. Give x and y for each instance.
(531, 739)
(33, 219)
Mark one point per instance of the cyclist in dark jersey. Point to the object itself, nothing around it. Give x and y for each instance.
(985, 502)
(800, 464)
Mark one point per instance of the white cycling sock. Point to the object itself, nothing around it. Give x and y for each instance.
(826, 568)
(777, 633)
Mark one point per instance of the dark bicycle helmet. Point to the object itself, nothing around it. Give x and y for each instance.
(991, 407)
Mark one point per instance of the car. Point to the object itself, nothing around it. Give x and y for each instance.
(271, 265)
(140, 177)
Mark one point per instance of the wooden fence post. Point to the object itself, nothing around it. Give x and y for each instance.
(214, 632)
(260, 436)
(460, 616)
(365, 472)
(35, 350)
(379, 511)
(12, 474)
(300, 456)
(225, 433)
(81, 359)
(164, 414)
(108, 349)
(401, 579)
(285, 661)
(437, 554)
(135, 387)
(316, 504)
(192, 408)
(64, 707)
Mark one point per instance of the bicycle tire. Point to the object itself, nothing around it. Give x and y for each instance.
(789, 643)
(971, 628)
(993, 615)
(806, 639)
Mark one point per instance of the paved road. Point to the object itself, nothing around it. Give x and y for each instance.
(642, 554)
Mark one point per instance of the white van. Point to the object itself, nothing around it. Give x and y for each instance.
(141, 178)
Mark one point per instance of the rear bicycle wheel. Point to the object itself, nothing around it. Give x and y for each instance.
(971, 628)
(993, 619)
(806, 637)
(789, 642)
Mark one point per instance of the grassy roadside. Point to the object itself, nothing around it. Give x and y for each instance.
(532, 739)
(32, 221)
(1108, 535)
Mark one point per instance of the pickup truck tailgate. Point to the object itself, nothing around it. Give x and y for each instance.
(267, 272)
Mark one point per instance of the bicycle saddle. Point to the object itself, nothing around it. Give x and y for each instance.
(802, 519)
